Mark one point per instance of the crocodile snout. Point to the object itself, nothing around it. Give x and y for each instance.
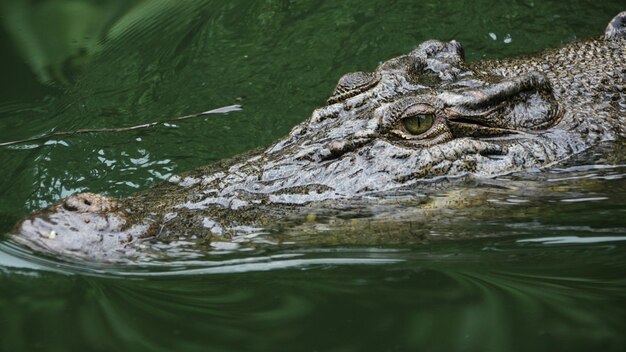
(85, 225)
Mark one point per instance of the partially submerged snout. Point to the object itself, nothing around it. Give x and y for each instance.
(82, 225)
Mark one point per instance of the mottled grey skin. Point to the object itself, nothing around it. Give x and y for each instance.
(490, 118)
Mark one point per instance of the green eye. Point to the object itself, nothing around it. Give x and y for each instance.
(418, 124)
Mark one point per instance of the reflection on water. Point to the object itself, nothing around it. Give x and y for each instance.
(531, 261)
(501, 295)
(56, 38)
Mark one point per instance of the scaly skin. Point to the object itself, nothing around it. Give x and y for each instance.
(488, 118)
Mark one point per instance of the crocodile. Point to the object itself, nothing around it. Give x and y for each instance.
(423, 116)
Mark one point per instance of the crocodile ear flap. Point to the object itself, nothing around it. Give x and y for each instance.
(617, 27)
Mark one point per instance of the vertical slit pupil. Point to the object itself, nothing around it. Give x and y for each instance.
(418, 124)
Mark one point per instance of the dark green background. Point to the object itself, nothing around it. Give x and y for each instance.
(71, 64)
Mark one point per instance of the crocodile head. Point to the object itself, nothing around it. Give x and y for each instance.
(423, 116)
(420, 116)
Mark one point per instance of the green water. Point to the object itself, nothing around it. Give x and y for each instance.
(543, 270)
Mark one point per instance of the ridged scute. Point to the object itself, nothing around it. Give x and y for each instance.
(352, 84)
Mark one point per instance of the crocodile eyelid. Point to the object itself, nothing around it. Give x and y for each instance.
(394, 112)
(418, 108)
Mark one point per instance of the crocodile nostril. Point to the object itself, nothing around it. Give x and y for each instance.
(88, 203)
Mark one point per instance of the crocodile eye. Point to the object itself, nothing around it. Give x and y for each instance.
(418, 124)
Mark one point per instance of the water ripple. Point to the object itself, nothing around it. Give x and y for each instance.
(573, 240)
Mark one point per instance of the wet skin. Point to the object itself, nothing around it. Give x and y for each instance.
(420, 116)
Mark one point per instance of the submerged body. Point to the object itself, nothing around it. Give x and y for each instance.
(420, 116)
